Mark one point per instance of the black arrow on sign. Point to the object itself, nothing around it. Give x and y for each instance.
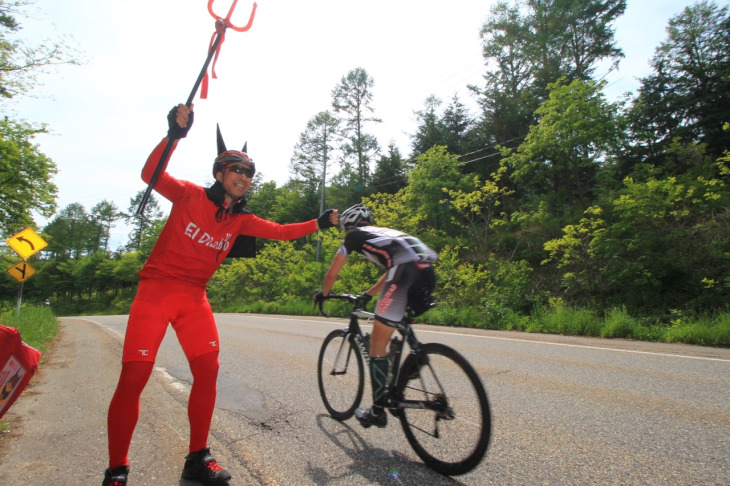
(20, 238)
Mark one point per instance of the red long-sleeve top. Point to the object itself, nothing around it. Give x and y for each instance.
(193, 244)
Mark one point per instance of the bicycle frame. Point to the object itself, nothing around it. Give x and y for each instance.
(355, 336)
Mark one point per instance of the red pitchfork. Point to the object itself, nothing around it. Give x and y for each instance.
(221, 24)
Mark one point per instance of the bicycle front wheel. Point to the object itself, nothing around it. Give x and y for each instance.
(340, 374)
(445, 414)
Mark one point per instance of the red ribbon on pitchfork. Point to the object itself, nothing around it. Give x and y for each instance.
(221, 24)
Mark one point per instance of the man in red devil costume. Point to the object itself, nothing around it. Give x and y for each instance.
(205, 226)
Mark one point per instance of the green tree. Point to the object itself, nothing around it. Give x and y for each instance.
(352, 101)
(103, 216)
(457, 124)
(661, 245)
(534, 43)
(573, 36)
(309, 164)
(263, 201)
(433, 175)
(125, 271)
(481, 209)
(20, 63)
(144, 228)
(264, 278)
(25, 177)
(688, 94)
(390, 172)
(430, 131)
(70, 233)
(561, 156)
(295, 201)
(25, 173)
(507, 101)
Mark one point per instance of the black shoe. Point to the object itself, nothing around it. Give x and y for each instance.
(367, 417)
(116, 476)
(201, 466)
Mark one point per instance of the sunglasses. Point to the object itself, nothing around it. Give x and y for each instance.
(242, 170)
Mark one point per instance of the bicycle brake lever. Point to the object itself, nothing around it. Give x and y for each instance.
(321, 308)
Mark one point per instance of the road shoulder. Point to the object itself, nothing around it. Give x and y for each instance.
(58, 429)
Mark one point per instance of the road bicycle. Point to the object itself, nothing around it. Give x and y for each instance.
(434, 391)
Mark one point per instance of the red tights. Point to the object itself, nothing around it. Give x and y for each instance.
(124, 407)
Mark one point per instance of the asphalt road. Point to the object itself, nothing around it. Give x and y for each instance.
(566, 411)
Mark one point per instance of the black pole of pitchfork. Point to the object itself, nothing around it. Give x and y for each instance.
(221, 24)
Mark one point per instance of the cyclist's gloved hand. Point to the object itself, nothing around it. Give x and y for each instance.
(363, 299)
(324, 219)
(318, 297)
(174, 130)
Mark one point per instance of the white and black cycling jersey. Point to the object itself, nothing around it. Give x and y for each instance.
(386, 247)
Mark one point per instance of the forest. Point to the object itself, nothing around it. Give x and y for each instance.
(553, 209)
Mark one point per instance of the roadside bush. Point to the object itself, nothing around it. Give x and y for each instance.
(560, 318)
(618, 324)
(704, 331)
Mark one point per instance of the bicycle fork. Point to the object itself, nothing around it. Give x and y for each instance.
(346, 348)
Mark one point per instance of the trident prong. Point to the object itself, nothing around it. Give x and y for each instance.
(227, 19)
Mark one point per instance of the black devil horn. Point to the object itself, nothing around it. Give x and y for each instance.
(245, 148)
(221, 143)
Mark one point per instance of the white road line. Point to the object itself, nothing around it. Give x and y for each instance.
(583, 346)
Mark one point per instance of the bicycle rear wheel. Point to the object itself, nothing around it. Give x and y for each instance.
(451, 434)
(340, 375)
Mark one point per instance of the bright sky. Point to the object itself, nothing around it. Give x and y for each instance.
(142, 57)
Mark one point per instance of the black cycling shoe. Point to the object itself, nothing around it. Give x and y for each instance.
(116, 476)
(201, 466)
(367, 417)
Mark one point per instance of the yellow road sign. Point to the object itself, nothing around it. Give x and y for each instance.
(21, 271)
(26, 243)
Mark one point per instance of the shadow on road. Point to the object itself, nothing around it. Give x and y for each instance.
(374, 465)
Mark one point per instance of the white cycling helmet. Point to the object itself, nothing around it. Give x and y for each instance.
(353, 216)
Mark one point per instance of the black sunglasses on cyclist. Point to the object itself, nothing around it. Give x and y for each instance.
(242, 170)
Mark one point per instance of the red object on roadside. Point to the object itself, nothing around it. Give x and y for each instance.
(18, 364)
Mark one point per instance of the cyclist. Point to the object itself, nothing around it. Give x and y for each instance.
(205, 226)
(408, 280)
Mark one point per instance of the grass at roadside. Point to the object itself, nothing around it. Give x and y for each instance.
(38, 326)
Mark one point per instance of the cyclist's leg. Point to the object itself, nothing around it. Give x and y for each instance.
(389, 310)
(375, 415)
(379, 362)
(380, 338)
